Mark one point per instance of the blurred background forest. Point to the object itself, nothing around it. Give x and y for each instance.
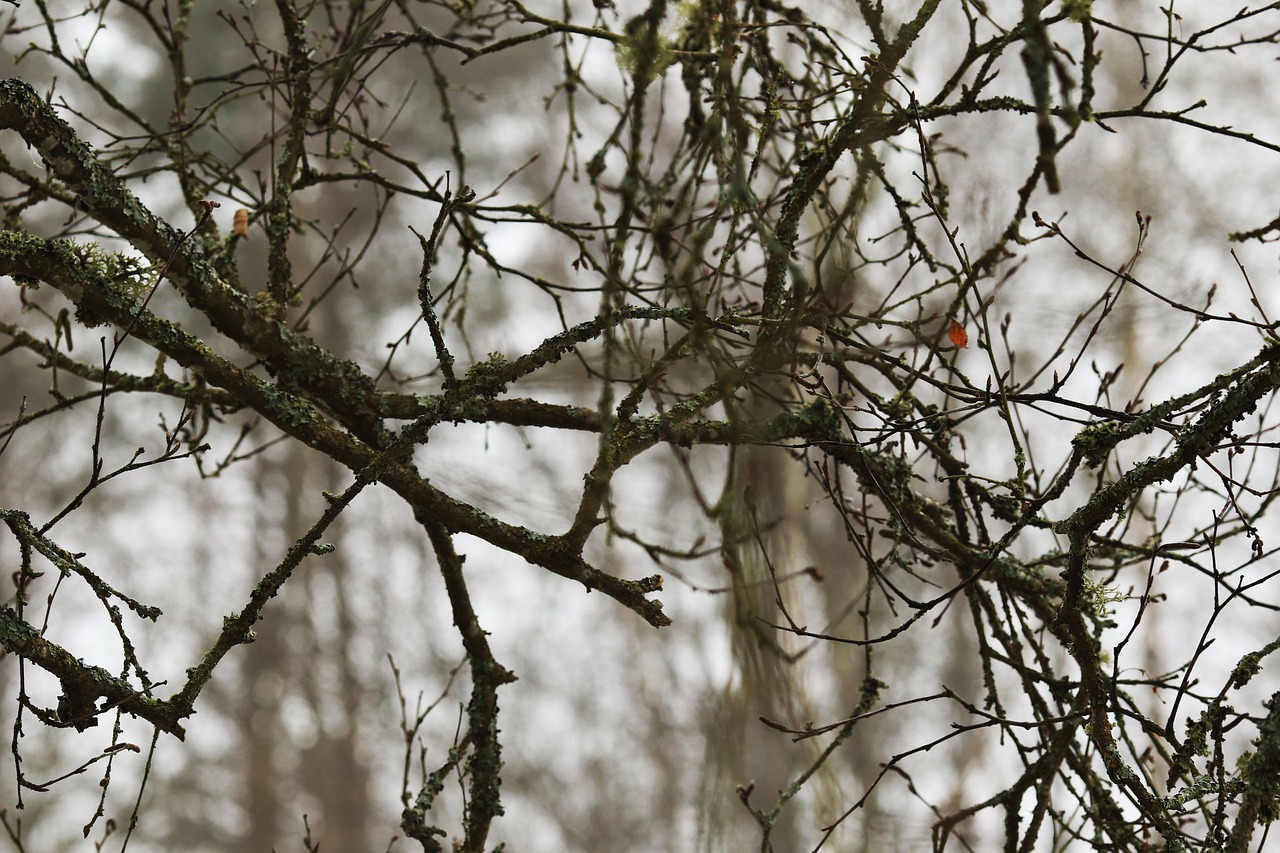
(616, 736)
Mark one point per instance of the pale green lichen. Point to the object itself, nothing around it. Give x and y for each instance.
(488, 378)
(1101, 597)
(629, 53)
(1078, 10)
(643, 52)
(132, 272)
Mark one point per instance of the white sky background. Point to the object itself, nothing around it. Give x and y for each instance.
(1195, 186)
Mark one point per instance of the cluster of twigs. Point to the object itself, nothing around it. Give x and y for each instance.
(754, 203)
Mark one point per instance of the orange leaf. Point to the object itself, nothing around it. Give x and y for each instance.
(240, 224)
(958, 335)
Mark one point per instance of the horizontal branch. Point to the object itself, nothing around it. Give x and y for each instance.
(86, 680)
(66, 266)
(344, 389)
(1193, 441)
